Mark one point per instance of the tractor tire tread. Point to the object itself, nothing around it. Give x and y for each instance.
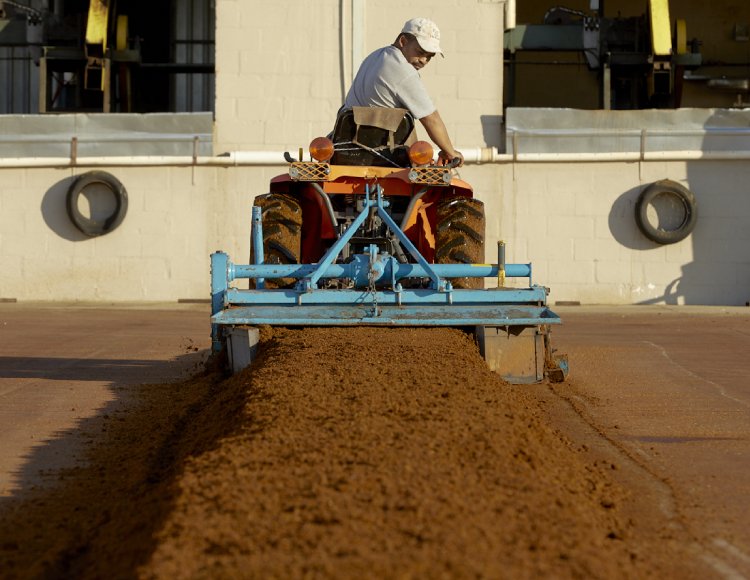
(281, 216)
(460, 235)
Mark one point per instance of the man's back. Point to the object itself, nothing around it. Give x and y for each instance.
(389, 78)
(386, 79)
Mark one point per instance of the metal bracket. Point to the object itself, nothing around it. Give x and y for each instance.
(437, 282)
(310, 282)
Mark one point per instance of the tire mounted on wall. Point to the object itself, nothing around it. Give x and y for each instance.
(88, 226)
(673, 189)
(459, 236)
(281, 217)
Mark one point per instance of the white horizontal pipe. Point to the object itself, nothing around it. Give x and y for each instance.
(232, 159)
(13, 162)
(626, 156)
(690, 155)
(472, 155)
(575, 157)
(481, 155)
(256, 157)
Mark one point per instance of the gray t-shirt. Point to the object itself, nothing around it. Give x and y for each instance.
(386, 79)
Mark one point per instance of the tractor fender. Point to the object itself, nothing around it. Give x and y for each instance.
(687, 202)
(88, 226)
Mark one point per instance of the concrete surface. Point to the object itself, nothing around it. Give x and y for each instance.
(667, 389)
(62, 364)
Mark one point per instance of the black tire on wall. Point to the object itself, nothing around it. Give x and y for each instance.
(281, 216)
(459, 238)
(88, 226)
(687, 204)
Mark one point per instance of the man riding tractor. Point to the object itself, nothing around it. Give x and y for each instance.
(374, 142)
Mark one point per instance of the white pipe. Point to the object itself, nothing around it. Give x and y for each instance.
(510, 14)
(576, 157)
(482, 155)
(235, 158)
(255, 158)
(692, 155)
(14, 162)
(123, 161)
(625, 156)
(472, 156)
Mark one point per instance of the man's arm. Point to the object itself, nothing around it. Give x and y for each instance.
(435, 128)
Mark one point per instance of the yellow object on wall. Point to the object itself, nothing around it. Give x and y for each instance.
(96, 25)
(95, 74)
(661, 33)
(121, 42)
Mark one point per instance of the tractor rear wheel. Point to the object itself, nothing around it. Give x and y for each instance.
(281, 217)
(460, 236)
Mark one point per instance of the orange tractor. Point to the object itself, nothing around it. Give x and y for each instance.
(369, 231)
(309, 208)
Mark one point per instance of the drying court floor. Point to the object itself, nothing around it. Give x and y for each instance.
(668, 388)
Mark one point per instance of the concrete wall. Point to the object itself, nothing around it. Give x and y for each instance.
(283, 67)
(279, 83)
(574, 222)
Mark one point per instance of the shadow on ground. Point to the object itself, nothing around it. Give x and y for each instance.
(117, 495)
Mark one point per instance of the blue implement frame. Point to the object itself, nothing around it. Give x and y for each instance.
(368, 302)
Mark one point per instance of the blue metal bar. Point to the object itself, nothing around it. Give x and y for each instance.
(396, 306)
(257, 242)
(336, 248)
(534, 295)
(397, 270)
(390, 315)
(219, 287)
(437, 282)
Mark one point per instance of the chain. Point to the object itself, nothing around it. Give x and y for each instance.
(371, 276)
(371, 289)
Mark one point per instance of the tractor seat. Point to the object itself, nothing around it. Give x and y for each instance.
(373, 136)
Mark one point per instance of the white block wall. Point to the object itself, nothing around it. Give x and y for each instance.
(574, 222)
(281, 78)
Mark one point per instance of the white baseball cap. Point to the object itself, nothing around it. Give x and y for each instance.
(426, 32)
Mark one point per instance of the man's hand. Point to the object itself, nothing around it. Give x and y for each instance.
(435, 128)
(444, 158)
